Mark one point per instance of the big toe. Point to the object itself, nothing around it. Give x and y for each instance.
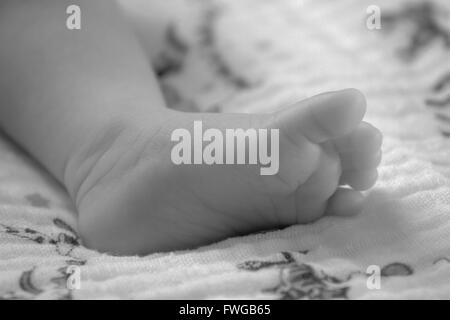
(324, 117)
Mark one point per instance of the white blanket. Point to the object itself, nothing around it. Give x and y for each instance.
(257, 56)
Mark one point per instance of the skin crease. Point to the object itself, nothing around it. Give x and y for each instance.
(87, 106)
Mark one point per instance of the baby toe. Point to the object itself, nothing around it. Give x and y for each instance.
(360, 180)
(324, 117)
(361, 149)
(345, 202)
(360, 160)
(364, 139)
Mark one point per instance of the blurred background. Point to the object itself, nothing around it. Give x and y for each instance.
(257, 56)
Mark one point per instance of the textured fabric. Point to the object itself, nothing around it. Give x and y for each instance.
(259, 56)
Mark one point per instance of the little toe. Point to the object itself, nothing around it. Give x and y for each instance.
(360, 180)
(345, 202)
(325, 116)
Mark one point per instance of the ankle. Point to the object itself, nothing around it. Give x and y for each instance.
(98, 152)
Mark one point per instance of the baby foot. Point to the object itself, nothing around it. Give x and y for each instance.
(134, 200)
